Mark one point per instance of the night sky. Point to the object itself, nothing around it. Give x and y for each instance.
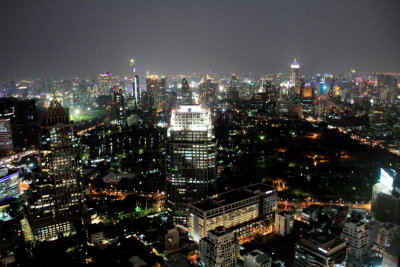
(60, 38)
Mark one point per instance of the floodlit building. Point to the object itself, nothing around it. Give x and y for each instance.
(241, 210)
(191, 159)
(56, 189)
(386, 197)
(9, 184)
(6, 141)
(356, 235)
(283, 223)
(220, 248)
(320, 250)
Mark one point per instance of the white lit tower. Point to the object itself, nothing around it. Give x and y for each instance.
(190, 160)
(135, 83)
(294, 75)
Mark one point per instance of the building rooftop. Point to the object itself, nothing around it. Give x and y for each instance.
(233, 196)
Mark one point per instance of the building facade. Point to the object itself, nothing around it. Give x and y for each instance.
(57, 197)
(9, 184)
(386, 197)
(6, 141)
(191, 159)
(356, 235)
(219, 249)
(240, 210)
(283, 223)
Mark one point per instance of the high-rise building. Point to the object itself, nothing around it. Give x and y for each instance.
(57, 198)
(320, 250)
(356, 235)
(191, 159)
(386, 197)
(219, 249)
(294, 76)
(283, 223)
(6, 142)
(137, 94)
(24, 121)
(233, 90)
(187, 97)
(242, 210)
(155, 93)
(118, 112)
(9, 184)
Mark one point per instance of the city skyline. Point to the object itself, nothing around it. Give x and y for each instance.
(73, 38)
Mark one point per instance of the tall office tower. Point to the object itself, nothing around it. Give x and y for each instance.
(24, 121)
(9, 184)
(6, 142)
(356, 235)
(220, 248)
(320, 250)
(294, 76)
(104, 83)
(386, 197)
(307, 99)
(191, 159)
(187, 97)
(243, 210)
(118, 112)
(155, 92)
(137, 94)
(233, 90)
(57, 199)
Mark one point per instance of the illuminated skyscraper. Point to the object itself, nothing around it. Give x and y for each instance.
(187, 98)
(118, 113)
(57, 198)
(6, 143)
(233, 90)
(294, 76)
(386, 197)
(155, 92)
(191, 154)
(9, 184)
(137, 94)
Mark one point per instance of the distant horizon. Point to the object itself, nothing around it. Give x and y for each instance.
(45, 38)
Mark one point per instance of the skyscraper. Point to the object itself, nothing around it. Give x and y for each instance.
(233, 90)
(191, 159)
(386, 197)
(294, 76)
(6, 142)
(135, 83)
(187, 98)
(155, 92)
(118, 113)
(57, 198)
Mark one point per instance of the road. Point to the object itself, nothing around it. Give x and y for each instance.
(305, 204)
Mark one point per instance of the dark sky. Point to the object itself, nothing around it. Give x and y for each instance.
(59, 38)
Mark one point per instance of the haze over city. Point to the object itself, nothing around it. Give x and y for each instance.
(60, 39)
